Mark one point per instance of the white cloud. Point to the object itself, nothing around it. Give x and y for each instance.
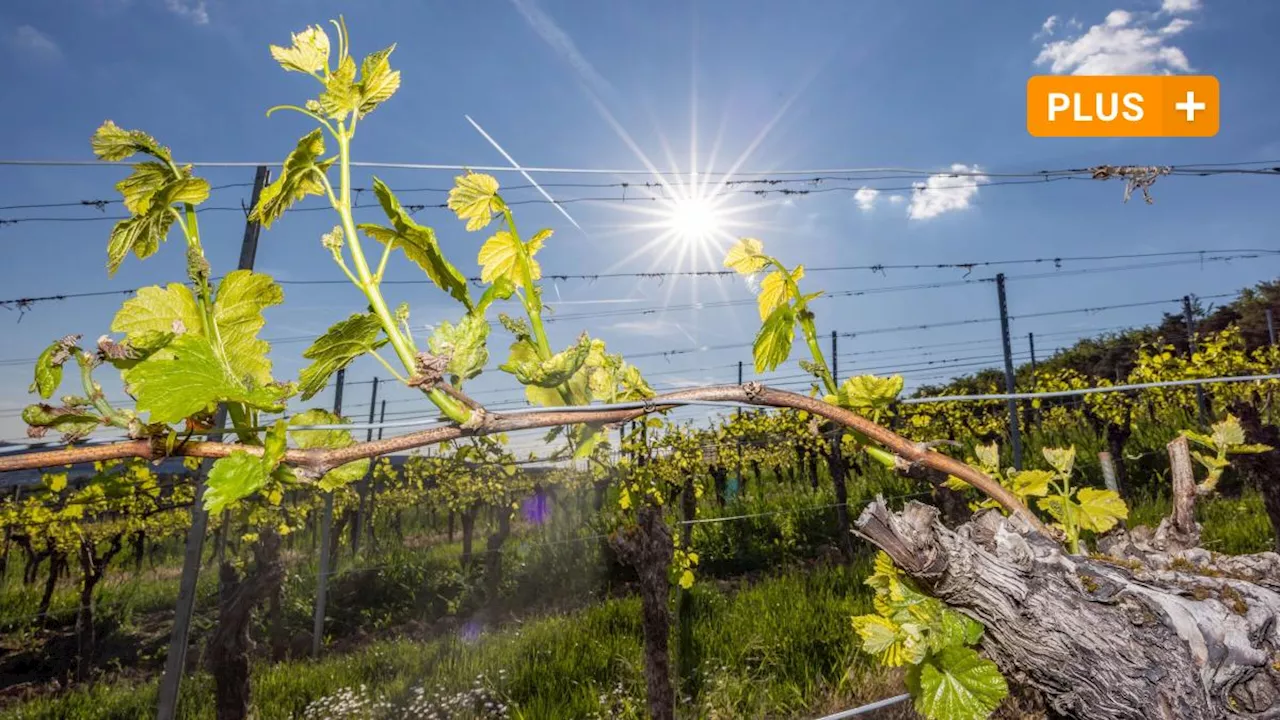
(866, 198)
(1123, 44)
(193, 10)
(946, 192)
(1173, 7)
(31, 42)
(897, 199)
(1046, 29)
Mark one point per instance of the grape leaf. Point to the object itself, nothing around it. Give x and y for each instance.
(868, 393)
(308, 54)
(501, 289)
(525, 364)
(378, 82)
(240, 474)
(188, 379)
(329, 440)
(773, 343)
(299, 177)
(1100, 509)
(341, 95)
(500, 259)
(463, 344)
(48, 373)
(988, 457)
(419, 244)
(892, 644)
(474, 198)
(113, 144)
(746, 257)
(1061, 459)
(345, 341)
(140, 188)
(956, 684)
(1026, 483)
(170, 309)
(71, 422)
(539, 238)
(237, 311)
(775, 290)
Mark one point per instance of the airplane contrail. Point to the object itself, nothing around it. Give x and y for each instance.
(526, 175)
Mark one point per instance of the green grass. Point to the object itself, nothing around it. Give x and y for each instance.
(1233, 526)
(778, 648)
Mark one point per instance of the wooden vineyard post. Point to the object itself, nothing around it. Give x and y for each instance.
(1179, 530)
(175, 662)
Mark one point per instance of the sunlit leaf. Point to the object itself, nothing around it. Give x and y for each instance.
(345, 341)
(868, 393)
(773, 343)
(418, 243)
(1061, 459)
(474, 198)
(378, 82)
(956, 684)
(299, 177)
(1100, 509)
(237, 311)
(463, 344)
(113, 143)
(501, 259)
(529, 369)
(190, 379)
(328, 440)
(746, 257)
(232, 478)
(155, 309)
(1028, 483)
(341, 95)
(308, 54)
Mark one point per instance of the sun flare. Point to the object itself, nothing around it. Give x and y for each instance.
(695, 219)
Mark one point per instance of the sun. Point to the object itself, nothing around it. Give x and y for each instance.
(695, 219)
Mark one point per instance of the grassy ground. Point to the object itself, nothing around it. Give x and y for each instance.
(406, 622)
(781, 647)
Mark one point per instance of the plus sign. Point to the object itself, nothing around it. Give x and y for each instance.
(1190, 106)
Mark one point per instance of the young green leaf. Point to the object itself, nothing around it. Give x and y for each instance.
(474, 198)
(892, 644)
(155, 309)
(988, 457)
(1061, 459)
(308, 54)
(237, 311)
(71, 422)
(49, 369)
(773, 343)
(113, 144)
(341, 95)
(378, 82)
(140, 188)
(500, 259)
(463, 344)
(419, 244)
(140, 234)
(299, 177)
(774, 291)
(1028, 483)
(956, 684)
(189, 379)
(1099, 510)
(345, 341)
(232, 478)
(746, 257)
(525, 364)
(501, 289)
(868, 394)
(329, 440)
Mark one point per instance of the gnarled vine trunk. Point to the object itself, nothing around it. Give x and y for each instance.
(648, 548)
(92, 568)
(839, 469)
(230, 644)
(1168, 634)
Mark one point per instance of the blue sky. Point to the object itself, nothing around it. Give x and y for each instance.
(706, 85)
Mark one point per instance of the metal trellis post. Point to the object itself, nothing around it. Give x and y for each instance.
(175, 663)
(1015, 435)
